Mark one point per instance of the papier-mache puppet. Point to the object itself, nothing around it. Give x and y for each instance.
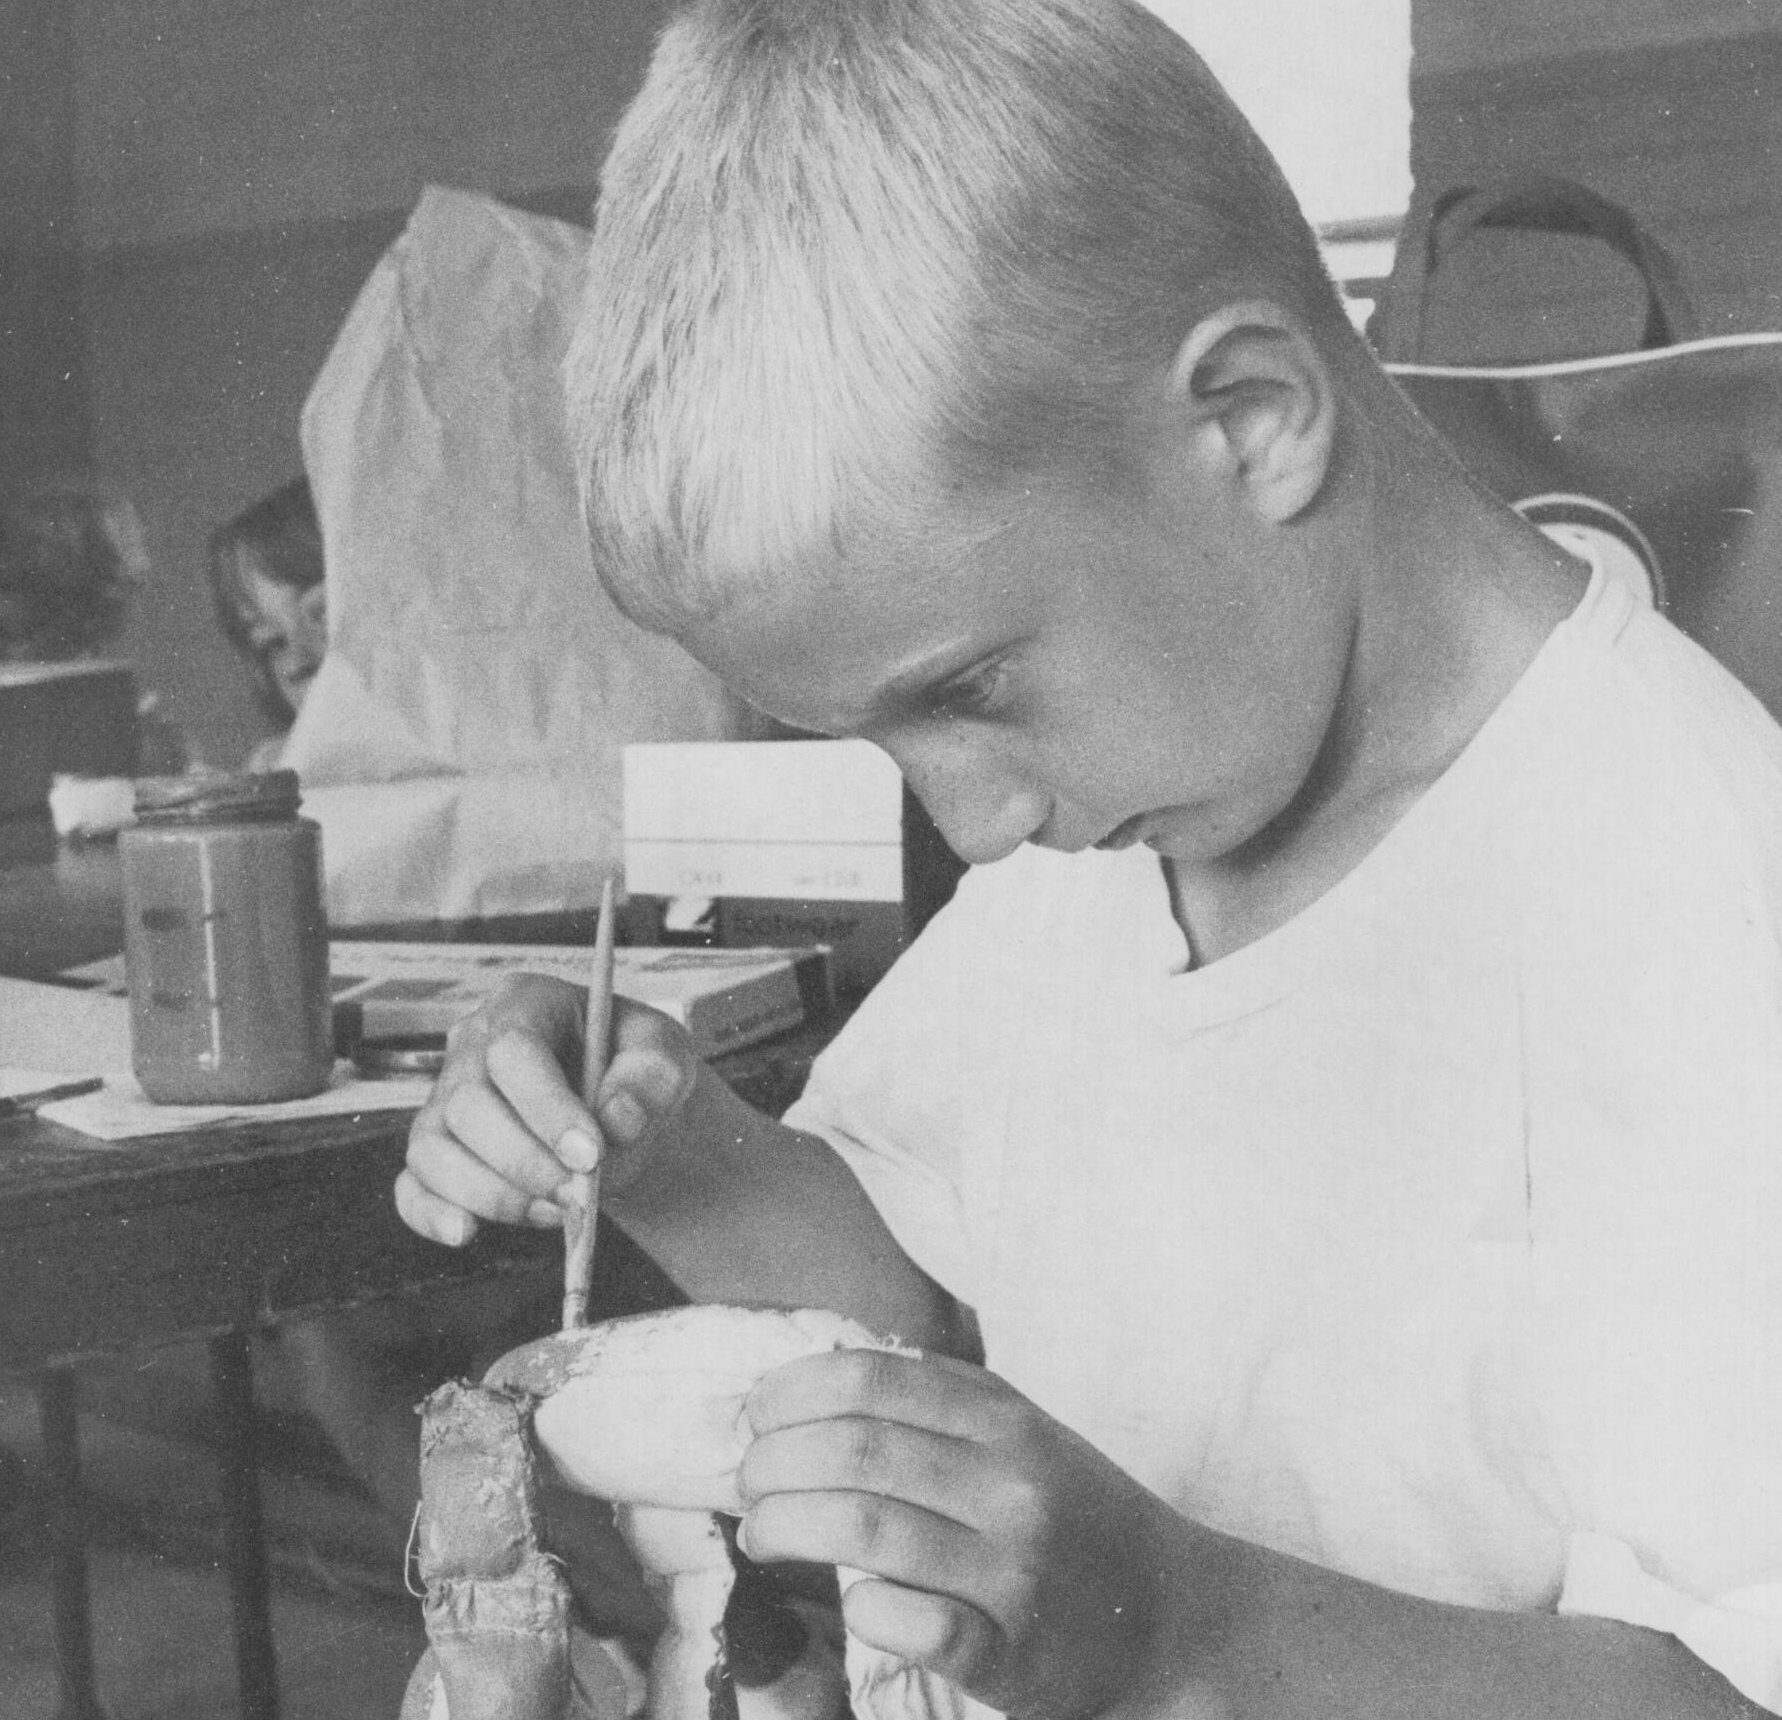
(647, 1412)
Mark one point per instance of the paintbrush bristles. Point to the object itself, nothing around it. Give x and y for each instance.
(581, 1198)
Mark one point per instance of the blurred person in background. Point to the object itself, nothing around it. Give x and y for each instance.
(266, 579)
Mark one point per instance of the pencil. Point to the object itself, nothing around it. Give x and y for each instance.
(29, 1103)
(582, 1200)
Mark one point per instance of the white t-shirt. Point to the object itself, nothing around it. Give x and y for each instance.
(1435, 1237)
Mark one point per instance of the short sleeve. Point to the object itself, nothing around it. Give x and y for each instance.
(895, 1092)
(1738, 1633)
(1656, 1214)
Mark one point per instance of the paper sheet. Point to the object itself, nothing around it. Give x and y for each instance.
(63, 1030)
(121, 1111)
(59, 1031)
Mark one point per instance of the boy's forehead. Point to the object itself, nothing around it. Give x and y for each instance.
(858, 632)
(838, 640)
(849, 616)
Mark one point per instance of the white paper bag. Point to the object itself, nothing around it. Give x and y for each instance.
(461, 742)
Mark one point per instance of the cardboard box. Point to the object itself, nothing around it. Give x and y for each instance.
(789, 843)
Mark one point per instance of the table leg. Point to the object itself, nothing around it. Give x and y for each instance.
(244, 1540)
(71, 1613)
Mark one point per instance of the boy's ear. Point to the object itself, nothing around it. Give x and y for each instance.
(1260, 405)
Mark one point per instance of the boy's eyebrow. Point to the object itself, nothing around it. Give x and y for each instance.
(885, 703)
(913, 688)
(909, 686)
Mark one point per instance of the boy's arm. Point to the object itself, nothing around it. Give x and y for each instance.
(1011, 1557)
(1284, 1638)
(734, 1206)
(738, 1208)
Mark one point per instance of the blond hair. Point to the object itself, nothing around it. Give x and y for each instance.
(853, 257)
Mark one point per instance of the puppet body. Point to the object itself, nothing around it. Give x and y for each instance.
(648, 1413)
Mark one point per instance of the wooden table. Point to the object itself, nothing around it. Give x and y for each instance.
(211, 1235)
(175, 1238)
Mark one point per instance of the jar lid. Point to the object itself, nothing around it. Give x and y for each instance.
(217, 795)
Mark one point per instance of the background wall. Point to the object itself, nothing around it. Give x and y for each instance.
(196, 116)
(1327, 89)
(43, 407)
(1456, 35)
(233, 173)
(192, 191)
(1672, 108)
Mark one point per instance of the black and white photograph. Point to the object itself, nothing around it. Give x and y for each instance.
(890, 860)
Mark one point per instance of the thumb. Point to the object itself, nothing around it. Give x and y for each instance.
(646, 1084)
(945, 1635)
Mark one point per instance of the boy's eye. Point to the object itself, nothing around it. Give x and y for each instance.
(975, 693)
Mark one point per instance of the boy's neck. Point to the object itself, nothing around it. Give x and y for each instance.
(1456, 596)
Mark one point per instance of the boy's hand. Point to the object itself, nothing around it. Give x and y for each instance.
(1009, 1555)
(504, 1127)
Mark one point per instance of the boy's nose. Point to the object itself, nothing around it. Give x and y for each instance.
(984, 811)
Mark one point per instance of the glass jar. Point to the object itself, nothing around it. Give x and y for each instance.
(226, 941)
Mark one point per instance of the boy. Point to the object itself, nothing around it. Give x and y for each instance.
(1343, 1099)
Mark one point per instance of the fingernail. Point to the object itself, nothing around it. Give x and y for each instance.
(742, 1537)
(625, 1117)
(455, 1230)
(545, 1212)
(578, 1149)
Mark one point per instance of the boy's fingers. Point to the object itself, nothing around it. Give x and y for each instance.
(503, 1128)
(430, 1215)
(637, 1027)
(651, 1078)
(931, 1392)
(951, 1477)
(440, 1218)
(480, 1122)
(526, 1073)
(884, 1536)
(936, 1631)
(653, 1060)
(444, 1166)
(647, 1080)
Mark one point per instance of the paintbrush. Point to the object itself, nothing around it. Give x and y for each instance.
(581, 1200)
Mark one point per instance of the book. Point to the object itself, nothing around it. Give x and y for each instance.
(725, 998)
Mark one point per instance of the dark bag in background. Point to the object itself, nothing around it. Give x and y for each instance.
(1675, 445)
